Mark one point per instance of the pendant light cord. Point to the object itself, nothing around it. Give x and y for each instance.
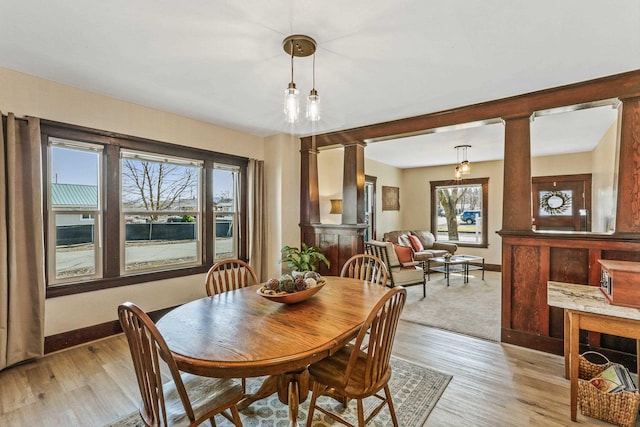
(292, 61)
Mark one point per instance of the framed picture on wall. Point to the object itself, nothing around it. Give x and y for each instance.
(390, 198)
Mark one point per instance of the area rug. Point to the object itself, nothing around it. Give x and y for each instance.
(472, 308)
(415, 388)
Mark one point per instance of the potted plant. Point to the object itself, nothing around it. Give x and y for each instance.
(305, 259)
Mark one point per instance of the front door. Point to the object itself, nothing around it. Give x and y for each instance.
(562, 203)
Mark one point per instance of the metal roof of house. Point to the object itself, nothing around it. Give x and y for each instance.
(74, 195)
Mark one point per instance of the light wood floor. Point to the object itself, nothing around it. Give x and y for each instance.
(493, 384)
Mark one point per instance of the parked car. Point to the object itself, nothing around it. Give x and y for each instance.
(469, 217)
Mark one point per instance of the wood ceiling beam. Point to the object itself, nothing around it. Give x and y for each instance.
(624, 85)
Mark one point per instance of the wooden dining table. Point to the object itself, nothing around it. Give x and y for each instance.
(239, 334)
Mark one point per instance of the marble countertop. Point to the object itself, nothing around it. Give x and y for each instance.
(586, 298)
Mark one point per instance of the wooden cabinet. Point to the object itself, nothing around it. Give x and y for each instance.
(620, 282)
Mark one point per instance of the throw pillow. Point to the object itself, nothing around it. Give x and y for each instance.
(403, 240)
(426, 238)
(405, 253)
(416, 244)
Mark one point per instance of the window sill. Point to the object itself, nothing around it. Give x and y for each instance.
(60, 290)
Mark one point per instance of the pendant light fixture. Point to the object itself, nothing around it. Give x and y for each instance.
(463, 167)
(313, 100)
(300, 46)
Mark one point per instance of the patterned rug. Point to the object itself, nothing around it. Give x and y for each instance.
(415, 390)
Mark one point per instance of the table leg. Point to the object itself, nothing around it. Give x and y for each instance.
(574, 321)
(293, 388)
(567, 340)
(447, 271)
(465, 268)
(482, 268)
(268, 387)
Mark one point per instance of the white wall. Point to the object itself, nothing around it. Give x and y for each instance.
(26, 95)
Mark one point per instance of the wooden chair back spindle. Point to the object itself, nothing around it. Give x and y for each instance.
(228, 275)
(366, 267)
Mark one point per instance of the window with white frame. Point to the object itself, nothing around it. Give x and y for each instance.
(161, 211)
(226, 207)
(74, 205)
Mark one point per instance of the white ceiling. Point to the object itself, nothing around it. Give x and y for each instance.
(222, 61)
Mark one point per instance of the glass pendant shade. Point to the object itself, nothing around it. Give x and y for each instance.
(457, 175)
(465, 167)
(313, 106)
(291, 103)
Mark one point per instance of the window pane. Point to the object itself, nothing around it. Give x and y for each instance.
(162, 241)
(225, 197)
(225, 236)
(152, 186)
(74, 200)
(459, 213)
(75, 254)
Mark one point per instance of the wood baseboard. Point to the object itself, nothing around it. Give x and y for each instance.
(90, 333)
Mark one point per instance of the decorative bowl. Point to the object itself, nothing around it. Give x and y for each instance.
(293, 297)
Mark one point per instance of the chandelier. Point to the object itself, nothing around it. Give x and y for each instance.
(463, 167)
(300, 46)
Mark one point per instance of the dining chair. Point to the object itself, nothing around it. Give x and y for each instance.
(229, 274)
(185, 399)
(365, 267)
(354, 373)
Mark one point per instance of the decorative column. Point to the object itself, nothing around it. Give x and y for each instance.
(309, 193)
(628, 200)
(516, 203)
(353, 184)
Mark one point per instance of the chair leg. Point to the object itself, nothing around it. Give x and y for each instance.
(312, 404)
(392, 411)
(360, 413)
(212, 421)
(236, 416)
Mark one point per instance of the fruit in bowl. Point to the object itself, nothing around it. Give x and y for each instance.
(288, 290)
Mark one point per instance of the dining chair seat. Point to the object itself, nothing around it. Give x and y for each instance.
(207, 395)
(331, 372)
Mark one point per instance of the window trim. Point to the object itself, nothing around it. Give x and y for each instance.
(484, 182)
(112, 142)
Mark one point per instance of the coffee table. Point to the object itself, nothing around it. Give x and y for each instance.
(455, 264)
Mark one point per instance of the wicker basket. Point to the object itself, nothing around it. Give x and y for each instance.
(617, 408)
(588, 369)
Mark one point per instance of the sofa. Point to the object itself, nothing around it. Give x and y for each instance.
(428, 247)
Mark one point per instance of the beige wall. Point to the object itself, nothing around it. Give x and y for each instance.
(330, 173)
(604, 183)
(27, 95)
(415, 202)
(282, 174)
(386, 176)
